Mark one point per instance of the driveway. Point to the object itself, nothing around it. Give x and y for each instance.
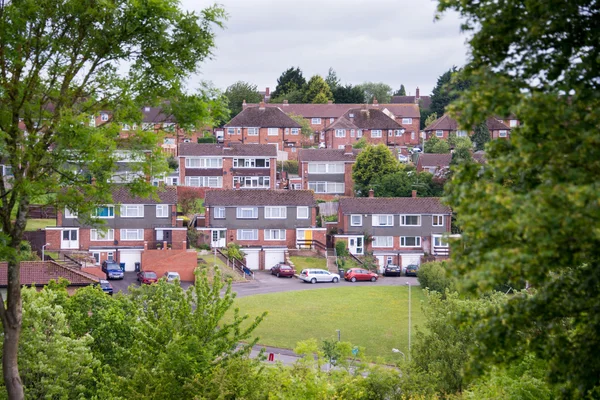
(121, 285)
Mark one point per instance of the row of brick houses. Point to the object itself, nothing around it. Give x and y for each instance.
(445, 125)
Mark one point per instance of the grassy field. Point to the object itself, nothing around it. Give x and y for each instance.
(226, 272)
(35, 224)
(373, 317)
(308, 262)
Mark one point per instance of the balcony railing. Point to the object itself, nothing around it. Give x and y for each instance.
(441, 251)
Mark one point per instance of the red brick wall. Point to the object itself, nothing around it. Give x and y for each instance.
(179, 239)
(348, 181)
(161, 261)
(53, 237)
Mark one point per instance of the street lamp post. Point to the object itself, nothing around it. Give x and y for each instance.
(409, 316)
(43, 251)
(339, 332)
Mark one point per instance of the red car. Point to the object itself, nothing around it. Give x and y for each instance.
(283, 270)
(359, 274)
(147, 277)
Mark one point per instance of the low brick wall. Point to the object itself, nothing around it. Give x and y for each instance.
(161, 261)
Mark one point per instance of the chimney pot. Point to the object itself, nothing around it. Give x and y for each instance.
(417, 94)
(262, 105)
(414, 194)
(375, 102)
(371, 193)
(329, 102)
(244, 104)
(285, 102)
(267, 92)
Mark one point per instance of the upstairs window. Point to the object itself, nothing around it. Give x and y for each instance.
(439, 133)
(302, 213)
(273, 131)
(340, 133)
(253, 131)
(315, 121)
(275, 212)
(383, 220)
(410, 220)
(437, 220)
(513, 123)
(219, 212)
(356, 220)
(162, 211)
(132, 211)
(461, 133)
(295, 131)
(104, 212)
(407, 120)
(502, 133)
(70, 214)
(247, 212)
(103, 117)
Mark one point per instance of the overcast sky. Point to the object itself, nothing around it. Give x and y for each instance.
(391, 41)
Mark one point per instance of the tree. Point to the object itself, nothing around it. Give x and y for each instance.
(290, 80)
(481, 135)
(401, 91)
(372, 162)
(348, 94)
(430, 118)
(448, 88)
(431, 143)
(441, 147)
(530, 212)
(435, 276)
(57, 72)
(332, 80)
(376, 90)
(305, 128)
(463, 151)
(240, 91)
(317, 91)
(403, 182)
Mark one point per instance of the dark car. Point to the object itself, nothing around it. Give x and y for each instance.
(359, 274)
(147, 277)
(412, 270)
(283, 270)
(106, 287)
(392, 270)
(112, 269)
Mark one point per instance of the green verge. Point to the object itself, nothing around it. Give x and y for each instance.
(373, 317)
(309, 262)
(35, 224)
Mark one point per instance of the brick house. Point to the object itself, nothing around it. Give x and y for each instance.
(131, 226)
(253, 166)
(423, 101)
(265, 125)
(443, 126)
(372, 124)
(322, 116)
(398, 230)
(327, 171)
(436, 164)
(266, 223)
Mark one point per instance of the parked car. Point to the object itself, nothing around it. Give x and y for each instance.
(412, 270)
(112, 269)
(360, 274)
(318, 275)
(402, 158)
(106, 287)
(283, 270)
(147, 277)
(416, 150)
(171, 277)
(392, 270)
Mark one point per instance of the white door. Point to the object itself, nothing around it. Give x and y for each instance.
(252, 258)
(70, 239)
(410, 259)
(218, 238)
(130, 257)
(355, 245)
(273, 257)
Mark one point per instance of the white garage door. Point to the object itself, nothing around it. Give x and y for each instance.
(273, 257)
(252, 258)
(409, 259)
(130, 257)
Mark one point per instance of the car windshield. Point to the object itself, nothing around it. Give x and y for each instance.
(286, 267)
(150, 275)
(113, 267)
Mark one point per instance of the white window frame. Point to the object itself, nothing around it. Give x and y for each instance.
(403, 219)
(204, 162)
(204, 181)
(412, 135)
(403, 241)
(439, 133)
(461, 133)
(513, 123)
(109, 207)
(340, 133)
(125, 127)
(132, 211)
(240, 234)
(295, 131)
(389, 241)
(252, 182)
(437, 220)
(359, 217)
(250, 162)
(241, 210)
(275, 212)
(253, 131)
(443, 241)
(270, 233)
(231, 131)
(376, 133)
(359, 133)
(398, 132)
(70, 214)
(407, 120)
(326, 168)
(327, 187)
(125, 233)
(502, 133)
(352, 132)
(162, 211)
(272, 131)
(219, 212)
(302, 213)
(377, 218)
(103, 117)
(97, 235)
(315, 121)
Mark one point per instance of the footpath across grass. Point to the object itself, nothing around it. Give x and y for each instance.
(373, 317)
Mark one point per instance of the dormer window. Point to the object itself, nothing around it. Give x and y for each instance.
(351, 115)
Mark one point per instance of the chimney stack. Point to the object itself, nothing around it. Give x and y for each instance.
(417, 95)
(348, 149)
(237, 185)
(244, 104)
(267, 93)
(414, 194)
(285, 102)
(261, 105)
(371, 193)
(329, 101)
(375, 102)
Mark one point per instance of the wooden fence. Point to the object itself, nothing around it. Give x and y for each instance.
(329, 208)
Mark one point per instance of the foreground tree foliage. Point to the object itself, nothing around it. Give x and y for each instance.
(62, 61)
(531, 212)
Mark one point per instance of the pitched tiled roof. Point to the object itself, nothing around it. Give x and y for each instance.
(327, 155)
(425, 101)
(166, 195)
(263, 117)
(445, 123)
(393, 205)
(371, 118)
(342, 123)
(156, 115)
(259, 198)
(234, 150)
(494, 125)
(337, 110)
(41, 273)
(435, 160)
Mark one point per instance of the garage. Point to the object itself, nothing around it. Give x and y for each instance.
(273, 257)
(130, 257)
(409, 259)
(252, 258)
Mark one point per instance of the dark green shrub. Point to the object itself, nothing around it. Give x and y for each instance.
(207, 139)
(434, 275)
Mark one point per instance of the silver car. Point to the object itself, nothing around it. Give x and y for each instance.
(318, 275)
(172, 276)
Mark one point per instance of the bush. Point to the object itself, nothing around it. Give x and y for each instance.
(290, 166)
(433, 275)
(207, 139)
(203, 246)
(340, 248)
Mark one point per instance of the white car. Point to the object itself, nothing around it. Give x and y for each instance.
(402, 158)
(318, 275)
(172, 276)
(322, 145)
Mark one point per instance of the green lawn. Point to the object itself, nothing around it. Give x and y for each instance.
(309, 262)
(226, 272)
(35, 224)
(373, 317)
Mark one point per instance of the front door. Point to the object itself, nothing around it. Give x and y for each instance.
(355, 245)
(218, 238)
(70, 239)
